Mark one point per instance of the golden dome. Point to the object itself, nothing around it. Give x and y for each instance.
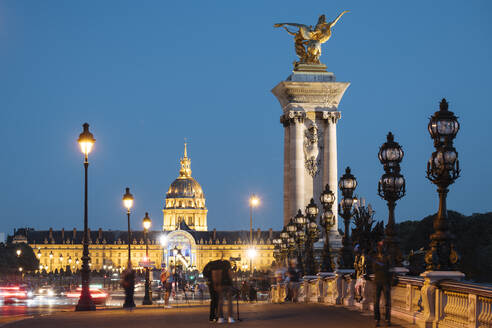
(185, 186)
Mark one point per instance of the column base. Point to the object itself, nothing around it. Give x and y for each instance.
(85, 304)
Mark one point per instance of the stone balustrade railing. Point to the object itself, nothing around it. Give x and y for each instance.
(422, 301)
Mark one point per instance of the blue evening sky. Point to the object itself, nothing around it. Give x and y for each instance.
(147, 74)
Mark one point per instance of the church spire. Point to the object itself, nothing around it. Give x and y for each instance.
(185, 171)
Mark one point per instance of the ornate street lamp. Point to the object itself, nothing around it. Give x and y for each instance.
(347, 185)
(285, 249)
(86, 142)
(253, 202)
(327, 220)
(18, 252)
(391, 187)
(442, 170)
(146, 222)
(300, 222)
(128, 203)
(39, 254)
(312, 234)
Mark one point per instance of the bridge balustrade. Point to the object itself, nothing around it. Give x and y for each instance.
(444, 303)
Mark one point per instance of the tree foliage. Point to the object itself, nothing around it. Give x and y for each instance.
(472, 239)
(10, 262)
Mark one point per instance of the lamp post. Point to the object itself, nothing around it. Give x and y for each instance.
(442, 170)
(146, 222)
(128, 203)
(391, 187)
(285, 246)
(51, 261)
(327, 220)
(175, 274)
(300, 222)
(251, 255)
(312, 234)
(39, 254)
(18, 252)
(253, 202)
(86, 142)
(347, 185)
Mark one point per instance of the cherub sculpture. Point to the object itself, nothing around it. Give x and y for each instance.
(308, 41)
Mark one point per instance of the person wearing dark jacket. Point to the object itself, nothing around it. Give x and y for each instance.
(382, 280)
(207, 273)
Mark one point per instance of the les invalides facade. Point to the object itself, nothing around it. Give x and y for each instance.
(184, 232)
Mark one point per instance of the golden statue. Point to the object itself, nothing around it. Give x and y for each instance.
(308, 41)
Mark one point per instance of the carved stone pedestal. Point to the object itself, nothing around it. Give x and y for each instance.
(309, 101)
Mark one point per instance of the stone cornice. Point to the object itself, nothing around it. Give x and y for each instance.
(310, 96)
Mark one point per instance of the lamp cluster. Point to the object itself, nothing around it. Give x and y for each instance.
(347, 185)
(391, 187)
(442, 170)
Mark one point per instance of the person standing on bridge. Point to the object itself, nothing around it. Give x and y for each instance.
(207, 273)
(167, 284)
(382, 279)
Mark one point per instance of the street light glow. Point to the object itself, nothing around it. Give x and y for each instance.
(254, 200)
(86, 140)
(163, 240)
(128, 199)
(252, 253)
(146, 222)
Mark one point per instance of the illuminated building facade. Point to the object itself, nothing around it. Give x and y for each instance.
(184, 238)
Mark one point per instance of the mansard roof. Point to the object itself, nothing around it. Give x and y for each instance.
(40, 237)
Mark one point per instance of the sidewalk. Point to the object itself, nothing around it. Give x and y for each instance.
(253, 315)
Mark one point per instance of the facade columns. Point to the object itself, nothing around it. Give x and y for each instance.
(296, 162)
(330, 166)
(284, 119)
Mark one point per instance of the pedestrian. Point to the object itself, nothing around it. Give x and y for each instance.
(382, 279)
(222, 279)
(253, 292)
(244, 290)
(166, 280)
(293, 276)
(207, 273)
(128, 284)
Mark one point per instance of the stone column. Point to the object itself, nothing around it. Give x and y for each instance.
(310, 94)
(330, 169)
(284, 119)
(296, 162)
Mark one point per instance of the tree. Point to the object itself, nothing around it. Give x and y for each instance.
(10, 262)
(472, 241)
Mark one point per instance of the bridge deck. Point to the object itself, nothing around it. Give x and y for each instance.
(254, 315)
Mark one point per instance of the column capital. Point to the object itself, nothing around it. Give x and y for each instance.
(292, 117)
(296, 116)
(332, 116)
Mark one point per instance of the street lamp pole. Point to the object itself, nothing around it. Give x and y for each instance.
(347, 185)
(391, 187)
(86, 141)
(312, 233)
(146, 222)
(128, 203)
(300, 222)
(253, 202)
(327, 220)
(442, 170)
